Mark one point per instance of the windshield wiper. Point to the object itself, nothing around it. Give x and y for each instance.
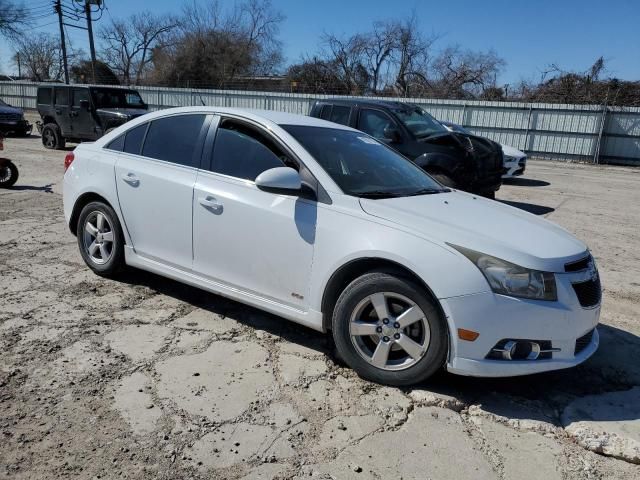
(428, 191)
(379, 194)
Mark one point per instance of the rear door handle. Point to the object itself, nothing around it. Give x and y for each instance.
(131, 179)
(211, 203)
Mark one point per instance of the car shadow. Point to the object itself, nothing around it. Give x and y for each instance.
(540, 397)
(525, 182)
(45, 188)
(529, 207)
(544, 396)
(244, 314)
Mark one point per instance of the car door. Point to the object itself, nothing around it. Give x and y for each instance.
(82, 123)
(257, 242)
(61, 108)
(155, 174)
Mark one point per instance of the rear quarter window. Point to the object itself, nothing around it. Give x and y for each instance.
(133, 139)
(44, 96)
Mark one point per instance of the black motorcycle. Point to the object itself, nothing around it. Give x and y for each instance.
(8, 171)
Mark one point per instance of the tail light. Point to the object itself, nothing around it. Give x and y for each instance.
(68, 160)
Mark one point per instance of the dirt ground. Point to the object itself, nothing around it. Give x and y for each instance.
(147, 378)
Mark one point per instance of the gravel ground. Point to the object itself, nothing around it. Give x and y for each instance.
(147, 378)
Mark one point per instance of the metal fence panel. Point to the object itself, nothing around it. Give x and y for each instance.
(581, 132)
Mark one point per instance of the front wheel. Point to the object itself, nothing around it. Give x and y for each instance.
(100, 239)
(8, 174)
(389, 330)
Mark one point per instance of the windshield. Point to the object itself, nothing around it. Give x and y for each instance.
(362, 166)
(419, 122)
(116, 98)
(3, 104)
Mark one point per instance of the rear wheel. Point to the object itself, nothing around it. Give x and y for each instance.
(52, 137)
(100, 239)
(389, 330)
(8, 175)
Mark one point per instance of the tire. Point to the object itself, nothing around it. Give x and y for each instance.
(8, 175)
(372, 335)
(103, 254)
(52, 137)
(444, 179)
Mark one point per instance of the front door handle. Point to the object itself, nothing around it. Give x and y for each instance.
(131, 179)
(210, 203)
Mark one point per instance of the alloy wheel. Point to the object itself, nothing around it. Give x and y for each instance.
(49, 138)
(389, 331)
(98, 238)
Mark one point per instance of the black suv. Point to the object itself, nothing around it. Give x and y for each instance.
(455, 159)
(81, 112)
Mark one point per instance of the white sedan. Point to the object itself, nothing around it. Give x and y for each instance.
(324, 225)
(515, 161)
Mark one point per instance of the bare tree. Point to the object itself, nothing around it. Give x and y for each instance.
(127, 44)
(213, 46)
(380, 44)
(13, 17)
(40, 56)
(348, 53)
(412, 55)
(463, 73)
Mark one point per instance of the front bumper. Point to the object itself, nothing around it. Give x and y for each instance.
(16, 126)
(514, 168)
(498, 317)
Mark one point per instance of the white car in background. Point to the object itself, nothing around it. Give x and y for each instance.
(515, 161)
(326, 226)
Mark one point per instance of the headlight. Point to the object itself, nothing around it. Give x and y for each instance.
(509, 279)
(509, 158)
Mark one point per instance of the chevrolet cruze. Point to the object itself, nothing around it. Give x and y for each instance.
(323, 225)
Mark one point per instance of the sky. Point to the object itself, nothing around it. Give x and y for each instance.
(528, 35)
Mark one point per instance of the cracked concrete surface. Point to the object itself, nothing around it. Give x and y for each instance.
(147, 378)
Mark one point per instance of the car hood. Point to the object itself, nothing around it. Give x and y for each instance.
(512, 152)
(6, 109)
(483, 225)
(122, 112)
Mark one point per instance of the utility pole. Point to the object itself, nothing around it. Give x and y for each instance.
(19, 65)
(87, 9)
(58, 9)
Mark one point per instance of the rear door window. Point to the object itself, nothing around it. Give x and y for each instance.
(133, 139)
(174, 139)
(340, 114)
(62, 96)
(117, 144)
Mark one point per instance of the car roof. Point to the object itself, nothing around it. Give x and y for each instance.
(278, 118)
(365, 102)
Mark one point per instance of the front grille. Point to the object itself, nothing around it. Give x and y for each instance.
(583, 342)
(589, 293)
(578, 265)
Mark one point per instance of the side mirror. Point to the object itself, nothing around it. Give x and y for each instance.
(392, 134)
(84, 104)
(279, 180)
